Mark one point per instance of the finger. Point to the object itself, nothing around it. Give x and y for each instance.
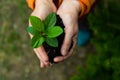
(66, 43)
(70, 53)
(59, 59)
(40, 57)
(62, 58)
(42, 65)
(41, 52)
(42, 62)
(74, 40)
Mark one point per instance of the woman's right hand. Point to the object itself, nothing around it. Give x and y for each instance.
(42, 9)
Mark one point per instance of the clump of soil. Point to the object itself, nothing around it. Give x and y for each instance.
(55, 51)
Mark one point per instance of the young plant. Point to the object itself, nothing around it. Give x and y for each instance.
(44, 31)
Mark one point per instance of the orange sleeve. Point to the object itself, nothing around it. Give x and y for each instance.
(31, 3)
(85, 5)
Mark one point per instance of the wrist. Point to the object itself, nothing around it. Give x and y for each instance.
(76, 5)
(45, 5)
(73, 5)
(38, 3)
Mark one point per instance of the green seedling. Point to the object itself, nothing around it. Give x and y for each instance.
(44, 31)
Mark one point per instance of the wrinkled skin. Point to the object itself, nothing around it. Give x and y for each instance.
(69, 14)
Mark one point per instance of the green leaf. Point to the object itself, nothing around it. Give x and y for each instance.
(37, 23)
(37, 41)
(52, 42)
(32, 30)
(53, 32)
(50, 20)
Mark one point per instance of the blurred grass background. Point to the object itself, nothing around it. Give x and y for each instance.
(17, 60)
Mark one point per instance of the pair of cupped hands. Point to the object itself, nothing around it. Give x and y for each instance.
(69, 12)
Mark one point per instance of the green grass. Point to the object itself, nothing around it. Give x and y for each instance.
(16, 57)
